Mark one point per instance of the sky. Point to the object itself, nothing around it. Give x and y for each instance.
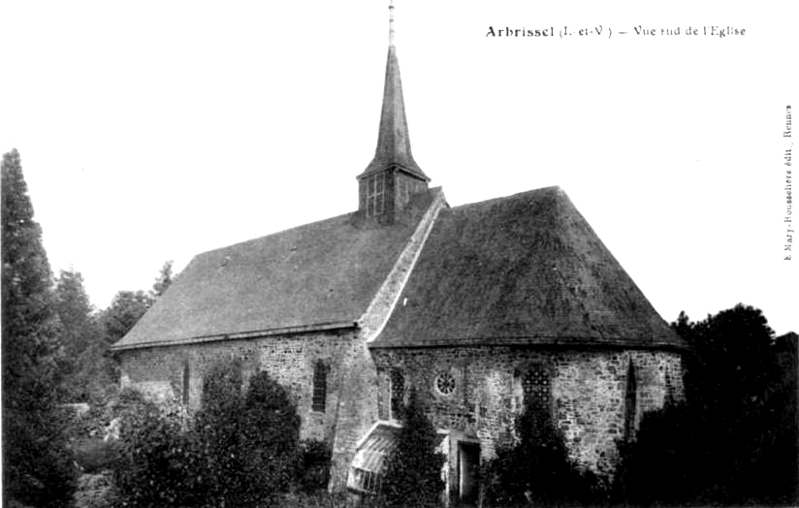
(153, 131)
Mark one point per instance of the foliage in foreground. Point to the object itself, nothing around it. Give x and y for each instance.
(413, 473)
(154, 467)
(537, 470)
(240, 451)
(37, 467)
(95, 491)
(734, 440)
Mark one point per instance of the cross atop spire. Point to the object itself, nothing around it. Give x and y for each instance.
(391, 22)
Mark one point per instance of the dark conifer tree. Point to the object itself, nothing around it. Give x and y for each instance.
(36, 467)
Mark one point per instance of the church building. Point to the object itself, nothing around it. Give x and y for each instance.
(484, 309)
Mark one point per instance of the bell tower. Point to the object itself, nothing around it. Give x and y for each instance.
(388, 182)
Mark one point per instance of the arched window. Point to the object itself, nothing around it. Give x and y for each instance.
(630, 402)
(319, 387)
(397, 394)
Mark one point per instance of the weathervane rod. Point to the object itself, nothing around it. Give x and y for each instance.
(391, 22)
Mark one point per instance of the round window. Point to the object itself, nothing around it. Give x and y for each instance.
(445, 383)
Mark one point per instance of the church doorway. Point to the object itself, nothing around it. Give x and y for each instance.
(468, 470)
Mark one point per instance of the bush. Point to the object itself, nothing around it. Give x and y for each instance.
(157, 458)
(733, 442)
(218, 432)
(38, 469)
(269, 438)
(412, 476)
(240, 451)
(249, 444)
(94, 455)
(315, 473)
(95, 491)
(537, 469)
(666, 464)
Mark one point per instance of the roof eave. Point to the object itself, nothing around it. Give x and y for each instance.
(290, 330)
(377, 166)
(537, 342)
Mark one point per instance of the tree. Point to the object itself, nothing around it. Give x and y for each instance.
(218, 425)
(413, 473)
(270, 440)
(783, 406)
(79, 327)
(126, 309)
(87, 369)
(164, 280)
(667, 464)
(36, 465)
(734, 439)
(733, 363)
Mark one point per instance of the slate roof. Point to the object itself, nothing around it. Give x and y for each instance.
(525, 269)
(323, 274)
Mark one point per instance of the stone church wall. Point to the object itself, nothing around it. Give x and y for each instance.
(290, 359)
(356, 412)
(588, 392)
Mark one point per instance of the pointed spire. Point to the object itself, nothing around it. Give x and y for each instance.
(393, 142)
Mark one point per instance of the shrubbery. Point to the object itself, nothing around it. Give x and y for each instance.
(239, 451)
(94, 455)
(271, 459)
(217, 431)
(536, 469)
(95, 491)
(314, 465)
(664, 465)
(413, 473)
(734, 440)
(155, 464)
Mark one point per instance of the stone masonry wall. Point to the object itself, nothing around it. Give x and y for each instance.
(357, 410)
(588, 392)
(289, 359)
